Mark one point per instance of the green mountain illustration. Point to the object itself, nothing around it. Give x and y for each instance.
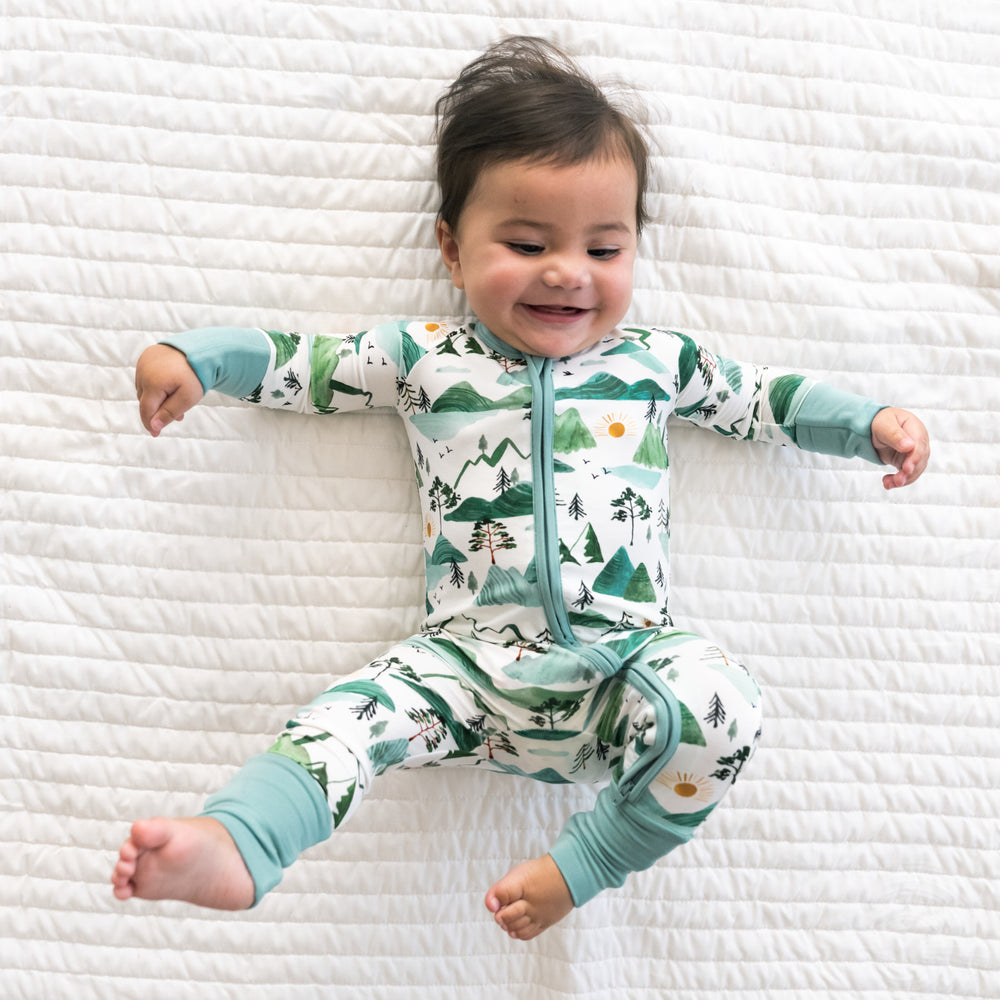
(780, 393)
(393, 339)
(445, 553)
(571, 433)
(557, 666)
(640, 587)
(615, 576)
(510, 586)
(325, 358)
(589, 619)
(462, 397)
(285, 346)
(512, 503)
(651, 452)
(493, 459)
(687, 360)
(609, 387)
(620, 578)
(625, 347)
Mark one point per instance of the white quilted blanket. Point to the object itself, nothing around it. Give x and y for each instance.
(828, 199)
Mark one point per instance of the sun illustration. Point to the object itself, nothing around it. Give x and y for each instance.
(686, 786)
(615, 425)
(435, 331)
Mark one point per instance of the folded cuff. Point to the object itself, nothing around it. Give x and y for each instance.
(597, 850)
(273, 809)
(232, 360)
(833, 422)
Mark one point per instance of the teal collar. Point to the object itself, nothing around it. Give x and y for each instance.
(494, 343)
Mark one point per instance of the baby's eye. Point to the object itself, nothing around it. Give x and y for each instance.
(528, 249)
(604, 253)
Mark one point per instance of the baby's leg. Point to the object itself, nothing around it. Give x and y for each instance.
(693, 718)
(720, 722)
(287, 800)
(194, 860)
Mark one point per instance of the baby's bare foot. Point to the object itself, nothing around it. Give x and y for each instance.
(530, 898)
(194, 860)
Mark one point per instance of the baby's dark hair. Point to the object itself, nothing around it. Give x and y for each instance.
(524, 99)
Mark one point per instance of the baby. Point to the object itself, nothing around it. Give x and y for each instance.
(539, 440)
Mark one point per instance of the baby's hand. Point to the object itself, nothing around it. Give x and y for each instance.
(900, 439)
(166, 385)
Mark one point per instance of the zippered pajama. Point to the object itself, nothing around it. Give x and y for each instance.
(548, 650)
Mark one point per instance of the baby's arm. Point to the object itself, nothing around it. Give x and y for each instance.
(900, 439)
(166, 385)
(309, 374)
(750, 401)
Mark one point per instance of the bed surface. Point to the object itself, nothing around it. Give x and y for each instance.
(827, 199)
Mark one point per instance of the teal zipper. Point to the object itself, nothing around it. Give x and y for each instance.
(547, 565)
(544, 499)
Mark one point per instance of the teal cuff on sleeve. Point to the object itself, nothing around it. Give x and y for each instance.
(232, 360)
(273, 809)
(833, 422)
(597, 850)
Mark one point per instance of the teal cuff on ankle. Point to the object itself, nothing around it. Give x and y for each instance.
(597, 850)
(273, 809)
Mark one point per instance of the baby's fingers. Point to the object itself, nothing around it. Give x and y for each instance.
(901, 440)
(166, 387)
(157, 409)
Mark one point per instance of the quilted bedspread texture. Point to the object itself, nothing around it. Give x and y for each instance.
(826, 198)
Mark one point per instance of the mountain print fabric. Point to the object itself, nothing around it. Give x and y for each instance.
(584, 499)
(548, 649)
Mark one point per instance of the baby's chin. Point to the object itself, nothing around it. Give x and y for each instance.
(551, 335)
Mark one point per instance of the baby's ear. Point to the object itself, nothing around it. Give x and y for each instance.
(449, 252)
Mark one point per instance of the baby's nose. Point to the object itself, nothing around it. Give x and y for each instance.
(567, 272)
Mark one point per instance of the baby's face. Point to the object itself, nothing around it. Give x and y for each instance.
(545, 253)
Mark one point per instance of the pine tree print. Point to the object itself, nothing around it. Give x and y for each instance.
(592, 550)
(732, 765)
(366, 709)
(442, 498)
(716, 712)
(663, 517)
(406, 395)
(431, 727)
(554, 710)
(503, 482)
(492, 535)
(582, 756)
(584, 598)
(631, 507)
(498, 742)
(575, 509)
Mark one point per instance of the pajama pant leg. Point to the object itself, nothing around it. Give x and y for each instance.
(683, 715)
(664, 787)
(405, 709)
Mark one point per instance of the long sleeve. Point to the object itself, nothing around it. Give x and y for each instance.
(309, 374)
(771, 404)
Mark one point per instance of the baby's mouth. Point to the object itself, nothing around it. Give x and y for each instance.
(560, 312)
